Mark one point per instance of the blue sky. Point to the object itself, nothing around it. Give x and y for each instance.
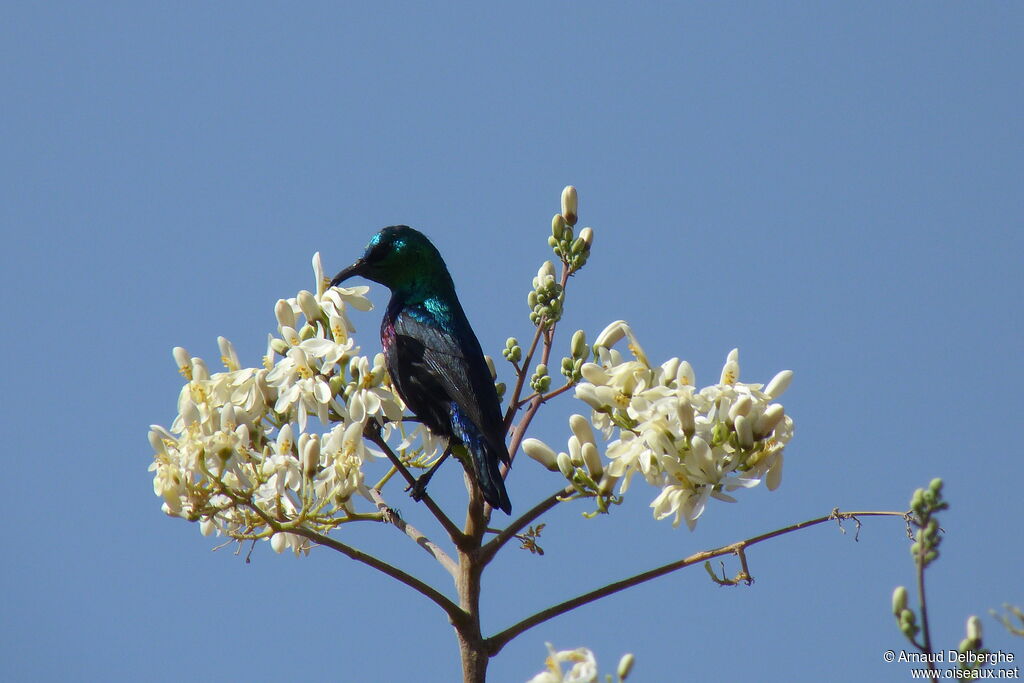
(833, 188)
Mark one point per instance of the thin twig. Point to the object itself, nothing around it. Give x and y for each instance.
(431, 593)
(558, 391)
(496, 642)
(392, 516)
(453, 531)
(428, 591)
(490, 548)
(549, 332)
(513, 404)
(926, 646)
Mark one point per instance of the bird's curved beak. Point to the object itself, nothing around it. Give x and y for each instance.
(356, 268)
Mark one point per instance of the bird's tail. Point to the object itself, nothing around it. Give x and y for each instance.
(487, 456)
(488, 476)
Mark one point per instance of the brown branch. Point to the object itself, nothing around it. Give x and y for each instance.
(453, 532)
(558, 391)
(395, 519)
(520, 429)
(496, 642)
(456, 615)
(513, 403)
(489, 549)
(926, 645)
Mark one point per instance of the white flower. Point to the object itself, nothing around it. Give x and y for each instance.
(341, 459)
(367, 397)
(283, 541)
(583, 670)
(692, 445)
(232, 455)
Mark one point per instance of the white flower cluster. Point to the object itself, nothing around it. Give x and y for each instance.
(233, 459)
(692, 444)
(583, 667)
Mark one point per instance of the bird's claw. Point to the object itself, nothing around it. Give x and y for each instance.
(418, 488)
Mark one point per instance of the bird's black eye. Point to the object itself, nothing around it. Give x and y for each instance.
(377, 251)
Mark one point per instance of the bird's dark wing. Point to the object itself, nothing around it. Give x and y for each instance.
(455, 361)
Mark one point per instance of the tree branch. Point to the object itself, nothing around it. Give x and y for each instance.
(513, 404)
(453, 532)
(455, 614)
(926, 645)
(489, 549)
(496, 642)
(392, 516)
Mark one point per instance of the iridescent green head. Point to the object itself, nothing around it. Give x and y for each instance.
(399, 258)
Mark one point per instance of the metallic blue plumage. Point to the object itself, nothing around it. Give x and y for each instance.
(433, 356)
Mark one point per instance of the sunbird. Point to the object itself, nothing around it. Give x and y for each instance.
(434, 358)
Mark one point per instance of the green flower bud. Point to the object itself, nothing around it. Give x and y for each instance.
(565, 465)
(936, 485)
(899, 600)
(908, 623)
(625, 665)
(719, 433)
(513, 352)
(578, 346)
(540, 381)
(280, 346)
(557, 227)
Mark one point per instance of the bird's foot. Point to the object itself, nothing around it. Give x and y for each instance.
(418, 488)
